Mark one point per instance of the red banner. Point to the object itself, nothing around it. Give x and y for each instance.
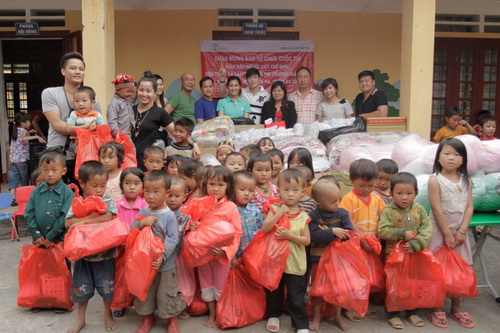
(275, 60)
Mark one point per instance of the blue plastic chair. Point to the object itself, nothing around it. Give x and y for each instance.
(5, 202)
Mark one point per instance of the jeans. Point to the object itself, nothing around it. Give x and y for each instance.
(18, 175)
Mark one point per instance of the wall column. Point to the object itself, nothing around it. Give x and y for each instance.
(417, 55)
(98, 19)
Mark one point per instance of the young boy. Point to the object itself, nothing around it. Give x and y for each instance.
(164, 294)
(454, 126)
(48, 204)
(119, 113)
(306, 203)
(405, 220)
(364, 208)
(250, 150)
(278, 159)
(481, 114)
(192, 173)
(251, 217)
(224, 148)
(153, 158)
(328, 222)
(183, 127)
(488, 125)
(84, 98)
(96, 271)
(178, 194)
(386, 169)
(235, 162)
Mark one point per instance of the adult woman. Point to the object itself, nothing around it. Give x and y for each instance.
(233, 105)
(333, 107)
(278, 108)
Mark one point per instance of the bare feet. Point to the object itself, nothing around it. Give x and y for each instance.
(110, 324)
(341, 323)
(210, 322)
(172, 326)
(315, 324)
(77, 327)
(147, 324)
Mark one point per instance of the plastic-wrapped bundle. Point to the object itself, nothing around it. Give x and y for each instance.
(489, 201)
(414, 154)
(320, 164)
(341, 142)
(373, 153)
(491, 156)
(357, 125)
(209, 133)
(286, 145)
(423, 191)
(251, 136)
(478, 189)
(209, 160)
(424, 163)
(475, 152)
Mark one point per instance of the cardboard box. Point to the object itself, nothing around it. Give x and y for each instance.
(386, 124)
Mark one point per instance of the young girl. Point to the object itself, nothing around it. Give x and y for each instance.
(218, 182)
(37, 177)
(302, 156)
(333, 106)
(233, 105)
(131, 182)
(292, 186)
(173, 164)
(265, 144)
(261, 167)
(278, 159)
(224, 148)
(235, 162)
(111, 154)
(450, 195)
(189, 171)
(19, 153)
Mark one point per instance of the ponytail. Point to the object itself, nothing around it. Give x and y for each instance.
(18, 119)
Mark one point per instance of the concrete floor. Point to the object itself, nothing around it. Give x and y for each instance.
(484, 309)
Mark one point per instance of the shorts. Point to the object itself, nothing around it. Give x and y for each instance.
(163, 295)
(90, 275)
(18, 175)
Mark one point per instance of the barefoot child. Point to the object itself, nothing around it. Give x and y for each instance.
(164, 294)
(261, 167)
(406, 220)
(111, 154)
(386, 169)
(328, 223)
(96, 271)
(292, 186)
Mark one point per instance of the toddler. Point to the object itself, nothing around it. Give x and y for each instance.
(224, 148)
(173, 163)
(250, 150)
(37, 177)
(131, 184)
(119, 113)
(153, 158)
(306, 203)
(278, 159)
(235, 162)
(261, 166)
(111, 154)
(265, 144)
(386, 169)
(193, 173)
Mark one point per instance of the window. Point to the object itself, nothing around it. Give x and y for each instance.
(282, 18)
(16, 88)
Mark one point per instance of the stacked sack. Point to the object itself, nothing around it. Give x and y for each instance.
(209, 133)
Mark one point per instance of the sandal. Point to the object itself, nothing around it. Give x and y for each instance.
(371, 313)
(415, 320)
(463, 319)
(351, 316)
(118, 313)
(273, 324)
(438, 319)
(396, 323)
(184, 315)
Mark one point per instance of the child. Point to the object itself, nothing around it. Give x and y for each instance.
(488, 126)
(306, 203)
(173, 164)
(19, 153)
(119, 113)
(131, 184)
(153, 158)
(328, 222)
(386, 169)
(404, 220)
(235, 162)
(218, 182)
(261, 167)
(292, 186)
(278, 159)
(481, 114)
(265, 144)
(333, 107)
(251, 217)
(183, 127)
(250, 150)
(164, 294)
(111, 154)
(37, 177)
(450, 196)
(48, 204)
(96, 271)
(364, 208)
(190, 171)
(178, 194)
(84, 116)
(454, 126)
(302, 156)
(233, 105)
(224, 148)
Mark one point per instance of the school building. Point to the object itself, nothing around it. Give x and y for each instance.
(430, 53)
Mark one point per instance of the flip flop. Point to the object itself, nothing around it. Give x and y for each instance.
(415, 320)
(396, 323)
(435, 317)
(273, 324)
(463, 319)
(351, 316)
(119, 313)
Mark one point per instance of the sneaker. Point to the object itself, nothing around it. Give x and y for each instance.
(14, 203)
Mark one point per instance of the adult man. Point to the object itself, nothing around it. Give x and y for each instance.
(371, 102)
(57, 104)
(181, 104)
(306, 98)
(254, 93)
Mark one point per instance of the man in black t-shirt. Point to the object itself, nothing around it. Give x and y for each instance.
(371, 102)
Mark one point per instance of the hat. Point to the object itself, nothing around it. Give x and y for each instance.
(252, 71)
(225, 144)
(123, 81)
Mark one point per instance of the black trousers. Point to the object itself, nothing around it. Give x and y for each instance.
(296, 290)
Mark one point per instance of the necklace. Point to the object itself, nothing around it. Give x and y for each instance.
(265, 190)
(139, 119)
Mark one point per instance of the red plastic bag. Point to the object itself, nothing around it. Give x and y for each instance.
(342, 277)
(242, 301)
(459, 276)
(413, 280)
(327, 310)
(270, 201)
(93, 140)
(121, 297)
(198, 245)
(83, 207)
(277, 124)
(86, 239)
(198, 306)
(44, 278)
(266, 255)
(374, 263)
(185, 280)
(139, 272)
(198, 208)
